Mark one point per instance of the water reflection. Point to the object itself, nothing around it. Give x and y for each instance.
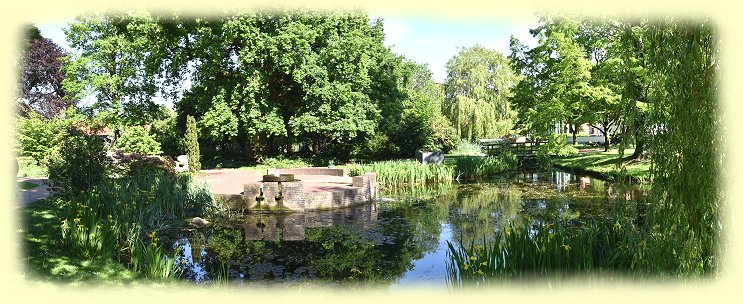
(398, 240)
(291, 226)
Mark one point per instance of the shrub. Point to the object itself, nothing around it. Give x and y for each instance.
(443, 135)
(192, 145)
(132, 163)
(165, 132)
(78, 163)
(29, 167)
(557, 144)
(282, 162)
(136, 140)
(36, 136)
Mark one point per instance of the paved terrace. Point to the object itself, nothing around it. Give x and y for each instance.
(232, 181)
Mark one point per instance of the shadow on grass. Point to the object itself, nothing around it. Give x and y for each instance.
(46, 259)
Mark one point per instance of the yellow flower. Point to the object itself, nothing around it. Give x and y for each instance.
(484, 263)
(473, 258)
(466, 266)
(566, 247)
(480, 272)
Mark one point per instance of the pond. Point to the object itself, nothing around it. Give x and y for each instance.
(399, 240)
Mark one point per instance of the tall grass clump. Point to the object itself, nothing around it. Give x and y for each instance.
(466, 147)
(406, 172)
(545, 249)
(476, 166)
(121, 218)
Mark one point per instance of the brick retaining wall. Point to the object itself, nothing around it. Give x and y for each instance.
(263, 195)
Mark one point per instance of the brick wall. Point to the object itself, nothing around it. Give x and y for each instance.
(294, 198)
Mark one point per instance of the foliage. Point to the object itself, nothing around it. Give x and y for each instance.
(687, 154)
(78, 163)
(41, 78)
(421, 124)
(478, 166)
(478, 86)
(47, 258)
(192, 145)
(29, 167)
(117, 216)
(466, 147)
(547, 249)
(557, 144)
(137, 140)
(116, 65)
(395, 173)
(282, 162)
(124, 164)
(166, 132)
(37, 136)
(271, 79)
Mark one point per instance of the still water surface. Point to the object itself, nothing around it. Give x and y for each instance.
(398, 241)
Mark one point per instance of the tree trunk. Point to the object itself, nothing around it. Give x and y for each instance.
(639, 147)
(606, 141)
(574, 129)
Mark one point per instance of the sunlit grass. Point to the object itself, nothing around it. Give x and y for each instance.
(606, 165)
(24, 185)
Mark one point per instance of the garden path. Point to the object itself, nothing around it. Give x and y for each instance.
(25, 197)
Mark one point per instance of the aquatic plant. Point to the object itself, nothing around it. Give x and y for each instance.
(476, 166)
(545, 249)
(406, 172)
(114, 218)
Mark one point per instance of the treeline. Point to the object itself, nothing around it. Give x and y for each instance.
(259, 83)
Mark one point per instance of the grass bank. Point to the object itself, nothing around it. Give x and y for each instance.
(604, 165)
(46, 258)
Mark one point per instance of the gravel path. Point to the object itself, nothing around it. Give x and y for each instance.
(25, 197)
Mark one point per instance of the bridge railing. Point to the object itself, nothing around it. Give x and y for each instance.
(516, 148)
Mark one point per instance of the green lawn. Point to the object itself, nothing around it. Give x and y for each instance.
(46, 260)
(605, 164)
(24, 185)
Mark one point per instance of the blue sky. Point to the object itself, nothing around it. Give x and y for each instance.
(423, 39)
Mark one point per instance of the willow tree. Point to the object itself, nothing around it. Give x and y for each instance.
(686, 143)
(478, 85)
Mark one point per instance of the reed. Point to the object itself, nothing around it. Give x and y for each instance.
(530, 251)
(116, 216)
(477, 166)
(406, 172)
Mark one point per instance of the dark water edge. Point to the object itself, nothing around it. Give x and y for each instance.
(398, 241)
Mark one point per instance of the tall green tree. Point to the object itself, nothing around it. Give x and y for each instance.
(116, 69)
(571, 77)
(422, 124)
(192, 145)
(477, 90)
(683, 57)
(287, 77)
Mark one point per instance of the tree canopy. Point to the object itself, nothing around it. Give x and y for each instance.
(41, 77)
(478, 87)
